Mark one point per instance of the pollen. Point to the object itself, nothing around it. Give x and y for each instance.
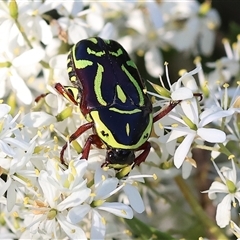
(51, 127)
(15, 214)
(225, 85)
(181, 72)
(103, 221)
(155, 176)
(230, 157)
(26, 200)
(73, 169)
(124, 212)
(37, 172)
(197, 60)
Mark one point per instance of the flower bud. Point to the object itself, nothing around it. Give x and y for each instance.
(13, 9)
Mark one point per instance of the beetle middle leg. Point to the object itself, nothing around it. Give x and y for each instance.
(73, 137)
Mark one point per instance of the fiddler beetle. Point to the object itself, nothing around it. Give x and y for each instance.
(112, 97)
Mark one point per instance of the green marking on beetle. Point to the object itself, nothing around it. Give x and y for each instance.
(74, 91)
(109, 138)
(97, 85)
(120, 94)
(73, 79)
(124, 111)
(94, 40)
(134, 82)
(118, 53)
(69, 69)
(80, 64)
(127, 129)
(131, 63)
(68, 60)
(97, 54)
(107, 41)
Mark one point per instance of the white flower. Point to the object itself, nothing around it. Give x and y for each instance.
(235, 229)
(181, 20)
(129, 186)
(230, 187)
(71, 21)
(103, 188)
(148, 37)
(225, 68)
(61, 190)
(190, 19)
(192, 125)
(12, 75)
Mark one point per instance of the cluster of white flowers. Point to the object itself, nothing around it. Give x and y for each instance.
(42, 199)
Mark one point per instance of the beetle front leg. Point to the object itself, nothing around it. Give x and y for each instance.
(73, 137)
(66, 93)
(171, 106)
(166, 110)
(142, 157)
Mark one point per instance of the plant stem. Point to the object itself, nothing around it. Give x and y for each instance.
(43, 63)
(198, 210)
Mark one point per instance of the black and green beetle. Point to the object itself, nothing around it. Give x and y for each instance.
(112, 96)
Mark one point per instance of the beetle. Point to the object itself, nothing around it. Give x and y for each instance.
(113, 98)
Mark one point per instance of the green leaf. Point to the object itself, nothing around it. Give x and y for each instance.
(141, 230)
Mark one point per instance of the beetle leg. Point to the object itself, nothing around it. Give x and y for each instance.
(142, 157)
(38, 98)
(74, 136)
(172, 105)
(92, 139)
(166, 110)
(66, 93)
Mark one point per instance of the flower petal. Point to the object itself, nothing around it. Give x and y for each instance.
(134, 198)
(98, 228)
(211, 135)
(73, 231)
(154, 62)
(118, 209)
(29, 57)
(76, 214)
(181, 94)
(223, 214)
(105, 189)
(4, 109)
(76, 198)
(38, 119)
(182, 150)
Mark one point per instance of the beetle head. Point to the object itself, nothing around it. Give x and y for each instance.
(120, 156)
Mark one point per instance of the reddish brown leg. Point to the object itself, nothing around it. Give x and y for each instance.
(74, 136)
(171, 106)
(38, 98)
(94, 138)
(198, 95)
(165, 111)
(142, 157)
(67, 94)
